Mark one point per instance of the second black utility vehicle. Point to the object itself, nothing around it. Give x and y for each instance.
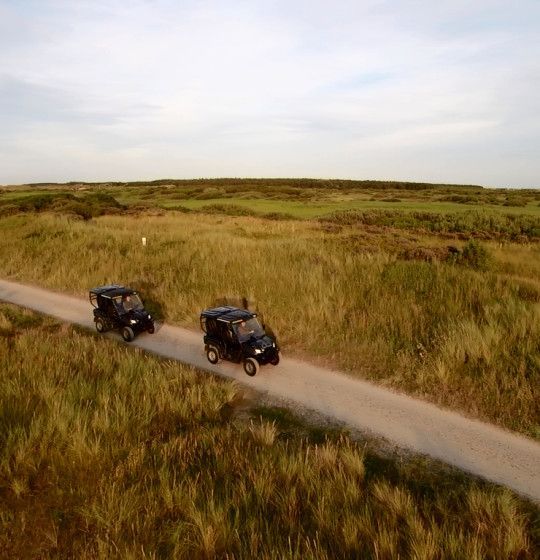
(121, 308)
(237, 335)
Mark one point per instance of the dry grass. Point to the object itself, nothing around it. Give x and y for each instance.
(106, 452)
(370, 302)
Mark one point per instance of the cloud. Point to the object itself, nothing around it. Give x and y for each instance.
(161, 88)
(25, 102)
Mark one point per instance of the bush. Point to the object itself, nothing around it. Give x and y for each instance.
(278, 216)
(228, 210)
(460, 199)
(210, 193)
(475, 255)
(516, 227)
(87, 206)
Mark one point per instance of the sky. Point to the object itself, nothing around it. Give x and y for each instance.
(442, 91)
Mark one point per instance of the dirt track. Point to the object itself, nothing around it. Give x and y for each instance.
(473, 446)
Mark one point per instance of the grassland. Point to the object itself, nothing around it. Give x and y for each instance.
(422, 303)
(441, 209)
(109, 453)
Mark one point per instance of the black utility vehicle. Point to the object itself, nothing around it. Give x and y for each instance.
(118, 307)
(237, 335)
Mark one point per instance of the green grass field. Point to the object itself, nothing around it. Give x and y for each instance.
(106, 452)
(460, 329)
(469, 211)
(302, 198)
(304, 210)
(316, 201)
(437, 295)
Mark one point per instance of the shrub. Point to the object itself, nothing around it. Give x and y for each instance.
(227, 209)
(475, 255)
(278, 216)
(87, 206)
(210, 193)
(472, 223)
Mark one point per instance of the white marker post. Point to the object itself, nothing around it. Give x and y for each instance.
(143, 241)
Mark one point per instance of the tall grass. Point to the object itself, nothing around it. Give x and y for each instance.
(461, 337)
(106, 452)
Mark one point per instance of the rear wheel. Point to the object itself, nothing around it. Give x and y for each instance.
(100, 325)
(127, 334)
(212, 354)
(251, 366)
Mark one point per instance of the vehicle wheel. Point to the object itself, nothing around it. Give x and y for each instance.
(275, 360)
(212, 354)
(127, 334)
(100, 326)
(251, 366)
(152, 329)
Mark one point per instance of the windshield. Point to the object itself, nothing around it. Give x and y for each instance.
(246, 329)
(128, 303)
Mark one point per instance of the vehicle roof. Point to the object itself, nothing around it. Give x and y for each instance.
(111, 291)
(228, 314)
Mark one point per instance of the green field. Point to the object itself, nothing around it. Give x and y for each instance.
(316, 209)
(317, 199)
(440, 209)
(461, 329)
(106, 452)
(303, 198)
(441, 303)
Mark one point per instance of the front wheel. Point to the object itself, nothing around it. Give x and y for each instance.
(151, 329)
(100, 326)
(251, 366)
(275, 360)
(127, 334)
(212, 354)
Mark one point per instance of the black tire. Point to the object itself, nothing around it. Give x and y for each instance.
(251, 366)
(127, 334)
(152, 329)
(100, 325)
(275, 360)
(212, 355)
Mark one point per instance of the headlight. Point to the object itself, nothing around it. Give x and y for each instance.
(149, 316)
(133, 321)
(258, 351)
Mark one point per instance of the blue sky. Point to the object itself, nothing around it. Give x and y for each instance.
(445, 91)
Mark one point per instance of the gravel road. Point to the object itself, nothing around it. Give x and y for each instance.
(476, 447)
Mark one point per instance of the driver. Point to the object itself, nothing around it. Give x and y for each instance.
(243, 329)
(127, 302)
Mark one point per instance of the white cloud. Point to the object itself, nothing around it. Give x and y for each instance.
(115, 90)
